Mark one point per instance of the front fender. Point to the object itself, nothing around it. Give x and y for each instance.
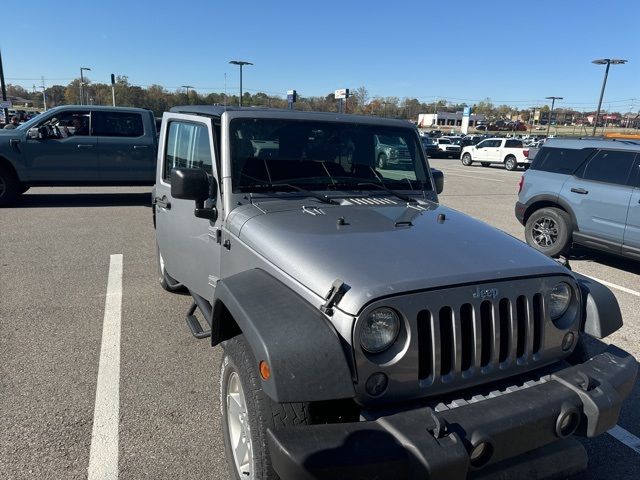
(301, 347)
(601, 312)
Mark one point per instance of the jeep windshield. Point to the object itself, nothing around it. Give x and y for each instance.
(270, 155)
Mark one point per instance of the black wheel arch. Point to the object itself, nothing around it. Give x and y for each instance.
(549, 201)
(4, 162)
(306, 356)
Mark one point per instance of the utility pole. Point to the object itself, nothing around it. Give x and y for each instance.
(4, 90)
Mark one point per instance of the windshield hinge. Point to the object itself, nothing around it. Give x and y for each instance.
(333, 297)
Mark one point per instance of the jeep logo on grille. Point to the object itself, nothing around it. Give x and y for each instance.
(482, 293)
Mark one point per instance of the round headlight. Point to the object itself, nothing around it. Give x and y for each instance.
(559, 300)
(379, 330)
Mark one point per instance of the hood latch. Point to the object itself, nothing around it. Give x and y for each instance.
(333, 297)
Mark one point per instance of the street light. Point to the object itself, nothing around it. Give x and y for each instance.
(607, 62)
(553, 101)
(187, 87)
(240, 63)
(82, 84)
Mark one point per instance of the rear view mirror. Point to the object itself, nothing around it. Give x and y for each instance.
(438, 178)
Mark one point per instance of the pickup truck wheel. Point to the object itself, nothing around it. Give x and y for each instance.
(167, 282)
(9, 186)
(247, 412)
(485, 164)
(510, 163)
(466, 160)
(382, 161)
(547, 230)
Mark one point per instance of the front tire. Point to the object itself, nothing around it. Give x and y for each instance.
(9, 186)
(548, 231)
(510, 163)
(247, 412)
(466, 160)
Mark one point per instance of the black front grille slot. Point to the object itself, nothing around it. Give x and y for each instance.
(447, 347)
(505, 321)
(425, 342)
(466, 335)
(486, 314)
(537, 322)
(521, 320)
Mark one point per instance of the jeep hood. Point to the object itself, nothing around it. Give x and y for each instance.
(382, 250)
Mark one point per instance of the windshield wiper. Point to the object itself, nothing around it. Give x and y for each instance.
(308, 193)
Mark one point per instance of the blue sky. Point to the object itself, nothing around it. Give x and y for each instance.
(513, 52)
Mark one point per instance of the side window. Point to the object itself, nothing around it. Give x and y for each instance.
(513, 144)
(187, 147)
(117, 124)
(560, 160)
(609, 166)
(67, 124)
(482, 144)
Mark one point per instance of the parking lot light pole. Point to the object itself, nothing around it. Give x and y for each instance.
(240, 63)
(187, 87)
(82, 84)
(553, 101)
(608, 62)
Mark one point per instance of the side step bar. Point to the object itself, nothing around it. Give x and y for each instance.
(192, 321)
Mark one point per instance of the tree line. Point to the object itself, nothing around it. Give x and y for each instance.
(159, 99)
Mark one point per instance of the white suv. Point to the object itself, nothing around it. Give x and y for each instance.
(507, 151)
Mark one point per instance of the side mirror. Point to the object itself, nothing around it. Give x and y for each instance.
(33, 133)
(438, 178)
(190, 184)
(193, 184)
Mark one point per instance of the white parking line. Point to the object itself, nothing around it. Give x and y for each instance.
(613, 285)
(625, 437)
(103, 456)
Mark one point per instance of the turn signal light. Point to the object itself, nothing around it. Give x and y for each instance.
(526, 153)
(265, 371)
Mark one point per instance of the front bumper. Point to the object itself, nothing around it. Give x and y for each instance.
(422, 443)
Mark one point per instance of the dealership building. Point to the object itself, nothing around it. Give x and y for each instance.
(447, 119)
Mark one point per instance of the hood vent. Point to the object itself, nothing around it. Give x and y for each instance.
(372, 201)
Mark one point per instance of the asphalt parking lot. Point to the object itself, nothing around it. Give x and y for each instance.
(55, 257)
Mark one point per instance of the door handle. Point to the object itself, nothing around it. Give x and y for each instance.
(84, 145)
(135, 147)
(581, 191)
(162, 202)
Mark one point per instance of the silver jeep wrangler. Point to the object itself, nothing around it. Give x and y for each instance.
(369, 332)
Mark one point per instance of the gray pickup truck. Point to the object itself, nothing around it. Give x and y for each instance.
(78, 145)
(367, 330)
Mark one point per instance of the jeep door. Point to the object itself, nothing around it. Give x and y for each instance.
(68, 154)
(631, 244)
(599, 194)
(188, 244)
(126, 153)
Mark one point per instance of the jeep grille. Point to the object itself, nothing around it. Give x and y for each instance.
(470, 339)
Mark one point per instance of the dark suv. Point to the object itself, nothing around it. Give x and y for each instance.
(583, 191)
